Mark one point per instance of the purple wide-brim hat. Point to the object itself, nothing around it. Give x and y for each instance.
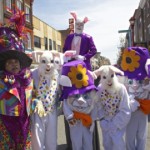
(80, 77)
(11, 47)
(133, 62)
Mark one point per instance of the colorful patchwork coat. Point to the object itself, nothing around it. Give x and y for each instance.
(15, 109)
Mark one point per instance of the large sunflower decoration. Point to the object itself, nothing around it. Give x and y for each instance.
(78, 76)
(130, 60)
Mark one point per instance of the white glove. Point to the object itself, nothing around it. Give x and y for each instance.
(134, 105)
(68, 55)
(40, 109)
(79, 57)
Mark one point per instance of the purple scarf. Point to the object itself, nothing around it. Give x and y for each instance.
(23, 78)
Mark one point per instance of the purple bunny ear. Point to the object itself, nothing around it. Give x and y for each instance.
(147, 67)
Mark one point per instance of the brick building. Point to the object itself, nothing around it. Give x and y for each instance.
(6, 6)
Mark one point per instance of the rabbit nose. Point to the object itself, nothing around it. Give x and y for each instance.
(48, 65)
(81, 101)
(135, 87)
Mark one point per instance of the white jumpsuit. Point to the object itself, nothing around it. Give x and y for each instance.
(114, 114)
(136, 132)
(81, 136)
(44, 129)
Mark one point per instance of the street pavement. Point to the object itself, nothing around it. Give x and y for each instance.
(62, 138)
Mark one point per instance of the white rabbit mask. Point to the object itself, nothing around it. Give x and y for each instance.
(49, 61)
(79, 23)
(109, 79)
(46, 65)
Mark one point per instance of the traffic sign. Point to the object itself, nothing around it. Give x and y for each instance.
(123, 31)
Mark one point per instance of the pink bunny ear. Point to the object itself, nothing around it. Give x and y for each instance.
(74, 15)
(85, 20)
(36, 56)
(70, 53)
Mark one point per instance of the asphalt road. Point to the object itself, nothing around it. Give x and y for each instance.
(62, 138)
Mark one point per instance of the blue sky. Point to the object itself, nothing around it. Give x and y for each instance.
(106, 18)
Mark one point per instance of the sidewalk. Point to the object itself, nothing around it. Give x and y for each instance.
(62, 137)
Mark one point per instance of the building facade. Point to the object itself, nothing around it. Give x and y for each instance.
(45, 36)
(141, 26)
(6, 8)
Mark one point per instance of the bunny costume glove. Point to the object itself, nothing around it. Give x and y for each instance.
(134, 104)
(40, 109)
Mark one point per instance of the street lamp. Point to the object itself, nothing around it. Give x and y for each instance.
(132, 20)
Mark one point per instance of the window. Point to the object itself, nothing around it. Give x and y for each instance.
(19, 4)
(148, 29)
(37, 41)
(50, 44)
(45, 42)
(27, 10)
(59, 48)
(54, 45)
(1, 11)
(8, 4)
(29, 40)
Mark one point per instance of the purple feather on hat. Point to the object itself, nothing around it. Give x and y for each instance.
(11, 43)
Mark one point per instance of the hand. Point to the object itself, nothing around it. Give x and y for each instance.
(40, 109)
(72, 122)
(134, 105)
(79, 57)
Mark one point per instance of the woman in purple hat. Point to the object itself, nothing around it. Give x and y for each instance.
(15, 92)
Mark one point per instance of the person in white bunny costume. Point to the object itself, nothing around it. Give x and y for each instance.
(44, 126)
(82, 43)
(113, 108)
(79, 101)
(135, 64)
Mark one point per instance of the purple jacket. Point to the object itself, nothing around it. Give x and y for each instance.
(87, 47)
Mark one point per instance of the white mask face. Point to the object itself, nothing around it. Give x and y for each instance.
(135, 86)
(83, 103)
(46, 66)
(79, 26)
